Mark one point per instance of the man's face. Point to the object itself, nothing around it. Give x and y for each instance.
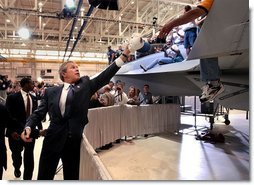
(72, 73)
(30, 85)
(146, 89)
(111, 84)
(119, 87)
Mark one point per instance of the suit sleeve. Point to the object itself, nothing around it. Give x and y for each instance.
(39, 114)
(104, 77)
(3, 124)
(13, 123)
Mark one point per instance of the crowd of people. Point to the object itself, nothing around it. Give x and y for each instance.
(21, 99)
(115, 94)
(67, 106)
(27, 94)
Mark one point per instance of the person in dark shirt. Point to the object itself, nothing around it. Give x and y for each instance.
(146, 97)
(111, 55)
(5, 122)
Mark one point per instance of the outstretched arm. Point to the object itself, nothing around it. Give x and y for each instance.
(183, 19)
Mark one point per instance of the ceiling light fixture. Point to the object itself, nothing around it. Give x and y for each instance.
(70, 3)
(24, 33)
(40, 4)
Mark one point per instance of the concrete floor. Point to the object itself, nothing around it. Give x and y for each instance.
(182, 157)
(176, 157)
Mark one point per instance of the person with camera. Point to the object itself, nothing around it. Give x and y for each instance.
(4, 84)
(120, 96)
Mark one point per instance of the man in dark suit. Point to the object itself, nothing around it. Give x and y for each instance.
(67, 121)
(20, 105)
(5, 122)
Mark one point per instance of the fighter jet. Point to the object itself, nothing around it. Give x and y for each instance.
(224, 34)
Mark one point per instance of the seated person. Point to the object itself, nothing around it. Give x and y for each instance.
(173, 55)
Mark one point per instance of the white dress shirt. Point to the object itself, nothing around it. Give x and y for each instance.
(24, 95)
(63, 97)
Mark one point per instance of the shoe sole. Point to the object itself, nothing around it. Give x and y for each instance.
(212, 97)
(218, 93)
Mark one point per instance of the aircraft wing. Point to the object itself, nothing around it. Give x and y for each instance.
(225, 30)
(225, 34)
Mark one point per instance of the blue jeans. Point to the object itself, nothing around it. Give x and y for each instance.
(165, 60)
(190, 37)
(209, 69)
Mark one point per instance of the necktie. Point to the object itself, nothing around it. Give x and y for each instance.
(69, 100)
(28, 106)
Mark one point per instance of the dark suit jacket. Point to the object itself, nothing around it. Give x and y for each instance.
(16, 107)
(4, 123)
(73, 124)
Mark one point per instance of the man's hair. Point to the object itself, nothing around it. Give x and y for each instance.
(146, 85)
(25, 81)
(63, 69)
(187, 8)
(109, 97)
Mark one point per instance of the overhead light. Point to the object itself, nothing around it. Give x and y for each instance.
(82, 9)
(8, 20)
(40, 4)
(132, 2)
(23, 44)
(69, 8)
(70, 3)
(24, 33)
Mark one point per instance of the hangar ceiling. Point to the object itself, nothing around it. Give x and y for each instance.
(50, 30)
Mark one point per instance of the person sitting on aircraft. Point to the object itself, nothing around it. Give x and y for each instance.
(190, 32)
(209, 67)
(173, 55)
(200, 20)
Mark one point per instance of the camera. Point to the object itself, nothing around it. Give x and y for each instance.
(119, 88)
(4, 83)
